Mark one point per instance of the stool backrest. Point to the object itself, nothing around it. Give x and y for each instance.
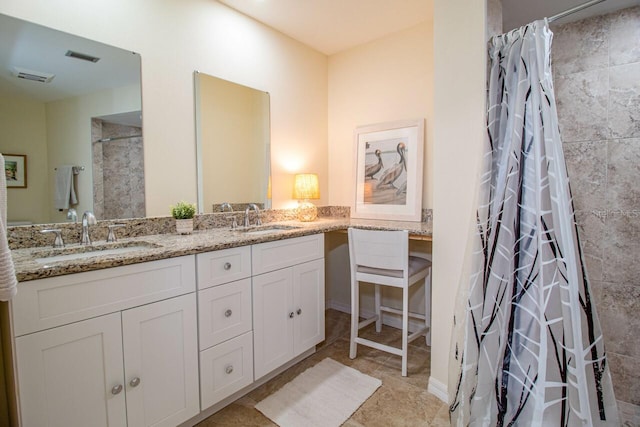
(387, 250)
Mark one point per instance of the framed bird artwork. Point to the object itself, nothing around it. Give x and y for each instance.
(388, 171)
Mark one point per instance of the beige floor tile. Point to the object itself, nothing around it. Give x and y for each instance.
(399, 402)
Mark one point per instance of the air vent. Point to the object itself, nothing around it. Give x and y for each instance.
(35, 76)
(83, 56)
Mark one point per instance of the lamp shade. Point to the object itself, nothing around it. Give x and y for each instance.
(305, 186)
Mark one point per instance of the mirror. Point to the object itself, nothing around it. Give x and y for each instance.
(69, 101)
(232, 145)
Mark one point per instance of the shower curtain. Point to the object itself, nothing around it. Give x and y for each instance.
(527, 346)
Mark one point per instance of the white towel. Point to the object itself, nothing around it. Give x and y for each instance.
(65, 194)
(8, 282)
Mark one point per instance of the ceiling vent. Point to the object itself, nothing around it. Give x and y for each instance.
(35, 76)
(83, 56)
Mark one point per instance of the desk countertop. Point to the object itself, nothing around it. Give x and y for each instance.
(162, 246)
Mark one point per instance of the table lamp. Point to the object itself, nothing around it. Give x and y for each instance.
(305, 187)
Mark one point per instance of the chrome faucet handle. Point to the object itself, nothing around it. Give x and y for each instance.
(58, 242)
(225, 205)
(111, 237)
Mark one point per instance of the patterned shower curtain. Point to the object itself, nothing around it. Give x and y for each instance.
(527, 348)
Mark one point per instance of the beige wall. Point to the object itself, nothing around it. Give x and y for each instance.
(175, 38)
(459, 94)
(385, 80)
(69, 138)
(23, 124)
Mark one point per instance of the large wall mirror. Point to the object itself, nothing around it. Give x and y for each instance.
(233, 145)
(68, 103)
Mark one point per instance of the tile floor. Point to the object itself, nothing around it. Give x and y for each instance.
(399, 402)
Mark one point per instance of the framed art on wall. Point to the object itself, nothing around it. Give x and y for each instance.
(388, 172)
(15, 170)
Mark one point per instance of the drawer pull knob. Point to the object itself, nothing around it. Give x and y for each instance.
(227, 266)
(134, 382)
(291, 315)
(228, 313)
(116, 389)
(228, 369)
(299, 312)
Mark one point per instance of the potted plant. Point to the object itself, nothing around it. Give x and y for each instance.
(183, 212)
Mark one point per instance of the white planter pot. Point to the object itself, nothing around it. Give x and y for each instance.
(184, 226)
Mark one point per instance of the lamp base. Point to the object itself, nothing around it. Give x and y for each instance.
(307, 211)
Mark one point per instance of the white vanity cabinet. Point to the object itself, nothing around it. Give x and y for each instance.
(114, 347)
(225, 323)
(288, 300)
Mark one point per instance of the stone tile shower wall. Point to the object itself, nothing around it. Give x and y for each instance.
(596, 66)
(118, 172)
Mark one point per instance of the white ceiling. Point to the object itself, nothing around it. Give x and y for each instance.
(331, 26)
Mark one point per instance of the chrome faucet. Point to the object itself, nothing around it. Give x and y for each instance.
(87, 219)
(246, 214)
(223, 206)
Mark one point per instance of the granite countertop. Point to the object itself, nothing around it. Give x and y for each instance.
(162, 246)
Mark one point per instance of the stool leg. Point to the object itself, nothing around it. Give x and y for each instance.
(405, 329)
(378, 313)
(355, 318)
(427, 307)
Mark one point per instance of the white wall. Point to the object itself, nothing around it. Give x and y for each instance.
(175, 38)
(386, 80)
(459, 82)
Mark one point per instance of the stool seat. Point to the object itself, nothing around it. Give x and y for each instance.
(382, 258)
(416, 265)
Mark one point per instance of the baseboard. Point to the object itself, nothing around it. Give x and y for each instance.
(387, 319)
(438, 389)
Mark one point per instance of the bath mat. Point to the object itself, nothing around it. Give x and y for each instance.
(322, 396)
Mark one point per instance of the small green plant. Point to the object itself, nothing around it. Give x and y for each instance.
(183, 210)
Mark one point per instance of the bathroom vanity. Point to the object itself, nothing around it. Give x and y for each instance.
(164, 329)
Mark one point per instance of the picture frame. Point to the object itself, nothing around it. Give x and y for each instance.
(388, 171)
(15, 170)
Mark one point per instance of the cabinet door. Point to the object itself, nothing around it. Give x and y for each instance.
(308, 297)
(161, 362)
(273, 319)
(67, 375)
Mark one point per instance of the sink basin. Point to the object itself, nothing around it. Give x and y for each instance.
(268, 229)
(81, 252)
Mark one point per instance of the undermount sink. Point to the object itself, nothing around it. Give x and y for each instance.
(81, 252)
(268, 229)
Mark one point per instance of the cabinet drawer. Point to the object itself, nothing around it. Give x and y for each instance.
(285, 253)
(227, 265)
(224, 312)
(225, 369)
(46, 303)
